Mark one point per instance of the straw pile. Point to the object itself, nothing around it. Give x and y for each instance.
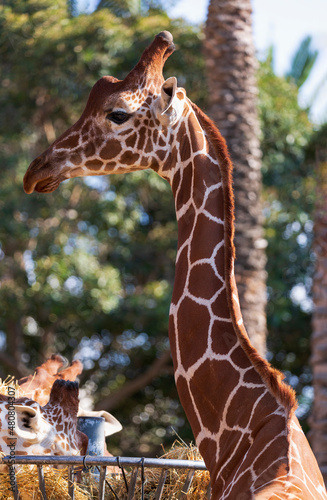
(12, 383)
(175, 478)
(56, 481)
(56, 484)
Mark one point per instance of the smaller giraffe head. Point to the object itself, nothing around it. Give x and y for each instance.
(124, 127)
(28, 428)
(39, 387)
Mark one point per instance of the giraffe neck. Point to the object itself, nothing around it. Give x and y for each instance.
(228, 391)
(64, 424)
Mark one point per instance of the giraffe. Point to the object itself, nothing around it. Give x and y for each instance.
(27, 428)
(39, 385)
(241, 412)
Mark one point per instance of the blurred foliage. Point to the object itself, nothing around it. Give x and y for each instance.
(288, 180)
(133, 8)
(88, 271)
(302, 62)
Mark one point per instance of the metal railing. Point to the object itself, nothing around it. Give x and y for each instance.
(101, 463)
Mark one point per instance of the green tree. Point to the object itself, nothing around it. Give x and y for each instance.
(289, 198)
(296, 192)
(302, 62)
(317, 155)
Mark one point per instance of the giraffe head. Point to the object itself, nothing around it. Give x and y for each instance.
(124, 127)
(29, 428)
(39, 386)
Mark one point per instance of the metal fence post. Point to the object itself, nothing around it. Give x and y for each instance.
(71, 489)
(40, 474)
(102, 484)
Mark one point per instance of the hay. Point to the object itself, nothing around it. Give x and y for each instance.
(56, 484)
(56, 481)
(13, 384)
(175, 478)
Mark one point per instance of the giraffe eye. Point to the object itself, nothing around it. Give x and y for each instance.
(118, 117)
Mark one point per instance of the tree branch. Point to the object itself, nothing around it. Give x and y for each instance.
(133, 386)
(18, 370)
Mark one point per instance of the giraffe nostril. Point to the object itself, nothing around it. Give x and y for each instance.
(37, 163)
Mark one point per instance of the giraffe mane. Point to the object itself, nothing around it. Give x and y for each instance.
(272, 377)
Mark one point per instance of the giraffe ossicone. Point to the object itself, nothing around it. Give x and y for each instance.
(241, 412)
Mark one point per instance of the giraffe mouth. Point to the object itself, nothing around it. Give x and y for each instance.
(40, 177)
(48, 185)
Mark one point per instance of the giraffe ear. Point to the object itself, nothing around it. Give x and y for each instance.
(168, 108)
(29, 424)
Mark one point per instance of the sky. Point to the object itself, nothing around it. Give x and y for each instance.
(283, 24)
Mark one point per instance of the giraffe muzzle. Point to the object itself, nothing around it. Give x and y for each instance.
(39, 177)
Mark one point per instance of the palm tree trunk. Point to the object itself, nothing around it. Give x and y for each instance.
(231, 66)
(318, 419)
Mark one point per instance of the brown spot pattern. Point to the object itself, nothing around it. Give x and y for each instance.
(94, 164)
(111, 150)
(190, 319)
(129, 158)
